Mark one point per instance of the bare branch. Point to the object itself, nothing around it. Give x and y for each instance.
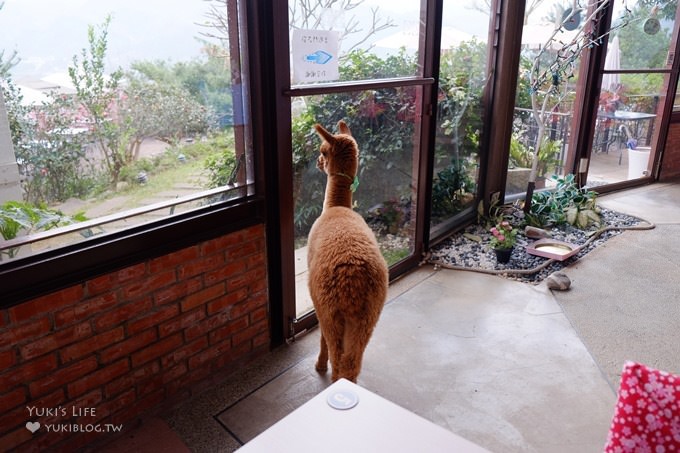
(376, 27)
(531, 8)
(484, 6)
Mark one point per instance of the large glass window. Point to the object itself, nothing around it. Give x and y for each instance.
(383, 122)
(463, 77)
(120, 113)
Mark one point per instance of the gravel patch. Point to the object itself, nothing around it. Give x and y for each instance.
(461, 251)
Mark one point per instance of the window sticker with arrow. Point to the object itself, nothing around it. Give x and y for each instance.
(315, 56)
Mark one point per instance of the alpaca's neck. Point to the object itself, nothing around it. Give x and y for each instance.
(338, 191)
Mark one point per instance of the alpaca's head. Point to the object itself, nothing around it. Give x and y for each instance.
(339, 153)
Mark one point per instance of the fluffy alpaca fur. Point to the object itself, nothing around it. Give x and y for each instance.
(348, 275)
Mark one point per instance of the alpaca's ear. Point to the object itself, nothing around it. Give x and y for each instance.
(342, 127)
(324, 134)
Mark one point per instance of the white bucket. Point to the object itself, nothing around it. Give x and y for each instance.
(638, 159)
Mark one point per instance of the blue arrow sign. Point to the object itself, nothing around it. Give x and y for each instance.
(319, 57)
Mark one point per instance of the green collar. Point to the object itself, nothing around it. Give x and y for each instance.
(355, 181)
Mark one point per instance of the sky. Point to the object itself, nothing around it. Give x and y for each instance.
(457, 13)
(48, 33)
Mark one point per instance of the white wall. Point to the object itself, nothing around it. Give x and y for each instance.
(10, 189)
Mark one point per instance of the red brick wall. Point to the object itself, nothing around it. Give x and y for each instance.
(99, 354)
(670, 167)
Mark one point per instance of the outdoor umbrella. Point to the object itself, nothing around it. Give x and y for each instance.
(611, 81)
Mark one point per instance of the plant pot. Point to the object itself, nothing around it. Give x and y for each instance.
(503, 255)
(638, 160)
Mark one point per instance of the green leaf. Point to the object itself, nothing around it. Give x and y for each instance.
(594, 216)
(582, 219)
(571, 215)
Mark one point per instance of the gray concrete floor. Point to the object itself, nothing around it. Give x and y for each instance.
(493, 360)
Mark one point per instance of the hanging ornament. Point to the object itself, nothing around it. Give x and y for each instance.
(555, 79)
(652, 24)
(571, 22)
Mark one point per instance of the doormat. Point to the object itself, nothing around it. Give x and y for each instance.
(468, 249)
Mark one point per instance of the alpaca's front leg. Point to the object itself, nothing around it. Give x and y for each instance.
(322, 361)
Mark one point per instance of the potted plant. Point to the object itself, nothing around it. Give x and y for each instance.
(503, 240)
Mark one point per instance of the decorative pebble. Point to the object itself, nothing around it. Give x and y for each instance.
(460, 251)
(536, 233)
(558, 281)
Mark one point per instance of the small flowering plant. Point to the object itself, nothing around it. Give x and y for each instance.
(504, 236)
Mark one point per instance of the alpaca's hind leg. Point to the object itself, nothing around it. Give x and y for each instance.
(330, 348)
(332, 331)
(356, 339)
(335, 349)
(322, 361)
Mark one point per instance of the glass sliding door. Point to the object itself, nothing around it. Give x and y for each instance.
(362, 65)
(631, 102)
(383, 122)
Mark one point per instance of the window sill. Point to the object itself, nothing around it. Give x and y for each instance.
(25, 278)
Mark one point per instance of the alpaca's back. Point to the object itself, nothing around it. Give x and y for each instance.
(346, 269)
(348, 280)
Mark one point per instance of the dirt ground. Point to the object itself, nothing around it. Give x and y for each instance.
(114, 204)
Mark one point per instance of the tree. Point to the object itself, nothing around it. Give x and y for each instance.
(16, 111)
(640, 50)
(547, 78)
(98, 92)
(207, 80)
(164, 111)
(665, 10)
(463, 77)
(122, 117)
(50, 153)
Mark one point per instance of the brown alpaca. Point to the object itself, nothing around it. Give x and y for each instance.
(347, 273)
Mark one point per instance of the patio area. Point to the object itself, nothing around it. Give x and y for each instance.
(612, 166)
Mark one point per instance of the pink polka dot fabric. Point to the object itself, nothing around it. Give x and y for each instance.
(647, 414)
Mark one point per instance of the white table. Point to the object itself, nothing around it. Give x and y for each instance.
(373, 425)
(628, 120)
